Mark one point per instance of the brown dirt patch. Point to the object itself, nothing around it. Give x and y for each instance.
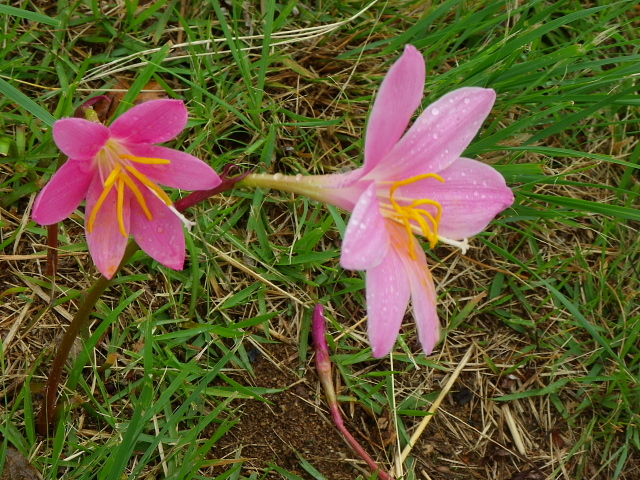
(297, 422)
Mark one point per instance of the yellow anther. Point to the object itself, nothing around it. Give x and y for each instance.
(111, 179)
(146, 161)
(138, 194)
(163, 196)
(427, 223)
(120, 205)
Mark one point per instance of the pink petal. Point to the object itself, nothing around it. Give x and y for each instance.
(366, 239)
(387, 299)
(155, 121)
(78, 138)
(106, 242)
(423, 299)
(161, 237)
(185, 171)
(399, 97)
(472, 194)
(64, 192)
(438, 137)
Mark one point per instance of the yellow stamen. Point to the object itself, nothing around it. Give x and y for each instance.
(121, 179)
(145, 160)
(120, 207)
(111, 179)
(136, 191)
(163, 196)
(406, 213)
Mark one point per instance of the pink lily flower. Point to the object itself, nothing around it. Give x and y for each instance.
(410, 183)
(118, 169)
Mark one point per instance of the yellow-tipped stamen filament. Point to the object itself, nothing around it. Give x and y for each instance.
(120, 206)
(427, 223)
(138, 194)
(111, 179)
(119, 177)
(145, 160)
(163, 196)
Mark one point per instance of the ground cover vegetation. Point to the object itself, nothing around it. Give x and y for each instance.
(208, 372)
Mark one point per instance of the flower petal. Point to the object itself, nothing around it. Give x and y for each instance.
(185, 171)
(387, 299)
(423, 300)
(106, 242)
(441, 133)
(155, 121)
(64, 192)
(78, 138)
(366, 239)
(472, 194)
(399, 97)
(161, 237)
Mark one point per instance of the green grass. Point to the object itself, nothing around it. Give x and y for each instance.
(549, 294)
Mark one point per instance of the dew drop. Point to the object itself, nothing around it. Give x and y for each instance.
(277, 176)
(362, 226)
(299, 177)
(435, 136)
(435, 111)
(467, 100)
(160, 230)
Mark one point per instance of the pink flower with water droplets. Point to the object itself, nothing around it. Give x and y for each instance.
(118, 169)
(411, 183)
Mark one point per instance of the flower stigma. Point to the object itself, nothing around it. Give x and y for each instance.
(121, 178)
(427, 222)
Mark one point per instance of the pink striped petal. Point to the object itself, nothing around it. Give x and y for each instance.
(366, 239)
(423, 299)
(438, 137)
(64, 192)
(185, 171)
(387, 299)
(472, 194)
(156, 121)
(161, 237)
(106, 242)
(78, 138)
(399, 97)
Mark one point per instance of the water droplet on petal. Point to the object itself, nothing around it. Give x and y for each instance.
(435, 111)
(435, 136)
(467, 100)
(160, 230)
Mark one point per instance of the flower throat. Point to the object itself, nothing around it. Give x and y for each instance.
(425, 220)
(121, 178)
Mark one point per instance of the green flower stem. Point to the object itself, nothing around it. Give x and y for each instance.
(306, 185)
(49, 408)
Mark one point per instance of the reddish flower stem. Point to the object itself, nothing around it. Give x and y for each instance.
(200, 195)
(323, 366)
(52, 250)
